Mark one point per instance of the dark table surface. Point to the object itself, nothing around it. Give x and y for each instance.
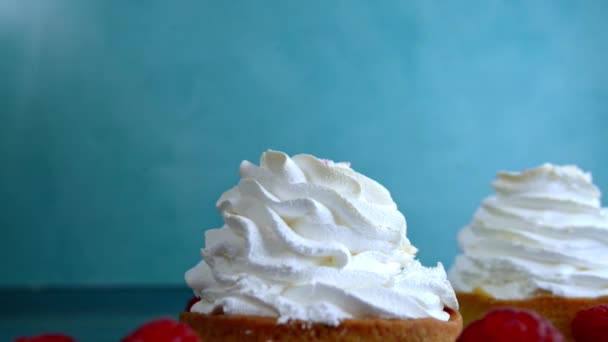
(86, 314)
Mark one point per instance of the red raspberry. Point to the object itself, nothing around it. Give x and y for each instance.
(191, 302)
(163, 330)
(507, 325)
(46, 338)
(591, 324)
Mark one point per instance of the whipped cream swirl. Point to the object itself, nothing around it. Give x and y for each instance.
(543, 232)
(313, 240)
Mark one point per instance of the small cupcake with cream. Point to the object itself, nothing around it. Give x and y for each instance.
(539, 243)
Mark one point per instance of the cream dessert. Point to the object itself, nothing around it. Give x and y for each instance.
(542, 235)
(312, 241)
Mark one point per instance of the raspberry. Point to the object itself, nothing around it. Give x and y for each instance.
(191, 302)
(163, 330)
(504, 325)
(46, 338)
(591, 324)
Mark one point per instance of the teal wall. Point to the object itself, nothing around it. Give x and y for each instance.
(123, 121)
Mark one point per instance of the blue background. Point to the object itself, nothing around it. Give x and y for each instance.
(122, 121)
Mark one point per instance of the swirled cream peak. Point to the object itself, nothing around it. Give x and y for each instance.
(313, 240)
(544, 231)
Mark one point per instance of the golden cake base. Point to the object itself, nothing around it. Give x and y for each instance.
(559, 310)
(252, 328)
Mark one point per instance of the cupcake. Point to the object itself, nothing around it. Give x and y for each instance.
(539, 243)
(311, 250)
